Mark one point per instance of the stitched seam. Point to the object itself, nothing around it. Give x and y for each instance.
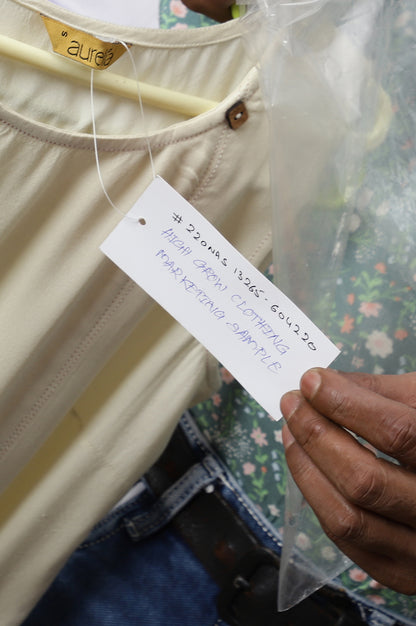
(212, 166)
(191, 435)
(186, 46)
(102, 148)
(164, 514)
(265, 239)
(246, 93)
(253, 516)
(166, 510)
(67, 368)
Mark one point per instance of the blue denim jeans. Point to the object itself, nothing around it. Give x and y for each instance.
(135, 569)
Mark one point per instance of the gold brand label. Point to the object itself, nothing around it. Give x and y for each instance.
(81, 46)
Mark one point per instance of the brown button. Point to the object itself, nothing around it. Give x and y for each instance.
(236, 115)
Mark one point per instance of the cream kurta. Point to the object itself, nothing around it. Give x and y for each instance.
(94, 375)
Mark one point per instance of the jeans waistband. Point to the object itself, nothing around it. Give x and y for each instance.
(192, 490)
(175, 498)
(196, 495)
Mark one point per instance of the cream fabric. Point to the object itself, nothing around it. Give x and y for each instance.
(93, 374)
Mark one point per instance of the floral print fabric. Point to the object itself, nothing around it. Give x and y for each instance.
(373, 316)
(174, 14)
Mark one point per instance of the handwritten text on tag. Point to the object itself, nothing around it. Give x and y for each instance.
(191, 270)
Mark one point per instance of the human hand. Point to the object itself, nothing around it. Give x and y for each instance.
(219, 10)
(365, 504)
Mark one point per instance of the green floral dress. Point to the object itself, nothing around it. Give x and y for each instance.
(174, 14)
(373, 317)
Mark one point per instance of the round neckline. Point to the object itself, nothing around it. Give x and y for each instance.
(150, 38)
(177, 132)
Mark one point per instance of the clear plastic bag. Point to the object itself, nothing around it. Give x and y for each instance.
(322, 64)
(321, 80)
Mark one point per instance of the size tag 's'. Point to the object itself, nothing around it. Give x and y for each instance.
(190, 269)
(81, 46)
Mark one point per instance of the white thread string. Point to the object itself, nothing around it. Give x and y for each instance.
(97, 160)
(136, 76)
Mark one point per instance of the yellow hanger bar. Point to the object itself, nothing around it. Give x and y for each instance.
(106, 81)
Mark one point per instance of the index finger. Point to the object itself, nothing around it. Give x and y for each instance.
(387, 424)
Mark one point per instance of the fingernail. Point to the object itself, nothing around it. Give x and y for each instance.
(310, 383)
(287, 437)
(288, 404)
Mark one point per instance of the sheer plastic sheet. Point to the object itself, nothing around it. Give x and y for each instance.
(322, 64)
(321, 74)
(309, 559)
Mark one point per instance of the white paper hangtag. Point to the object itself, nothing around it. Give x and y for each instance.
(172, 252)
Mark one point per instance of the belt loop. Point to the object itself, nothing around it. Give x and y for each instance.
(174, 499)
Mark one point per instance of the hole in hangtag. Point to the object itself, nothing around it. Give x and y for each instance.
(142, 221)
